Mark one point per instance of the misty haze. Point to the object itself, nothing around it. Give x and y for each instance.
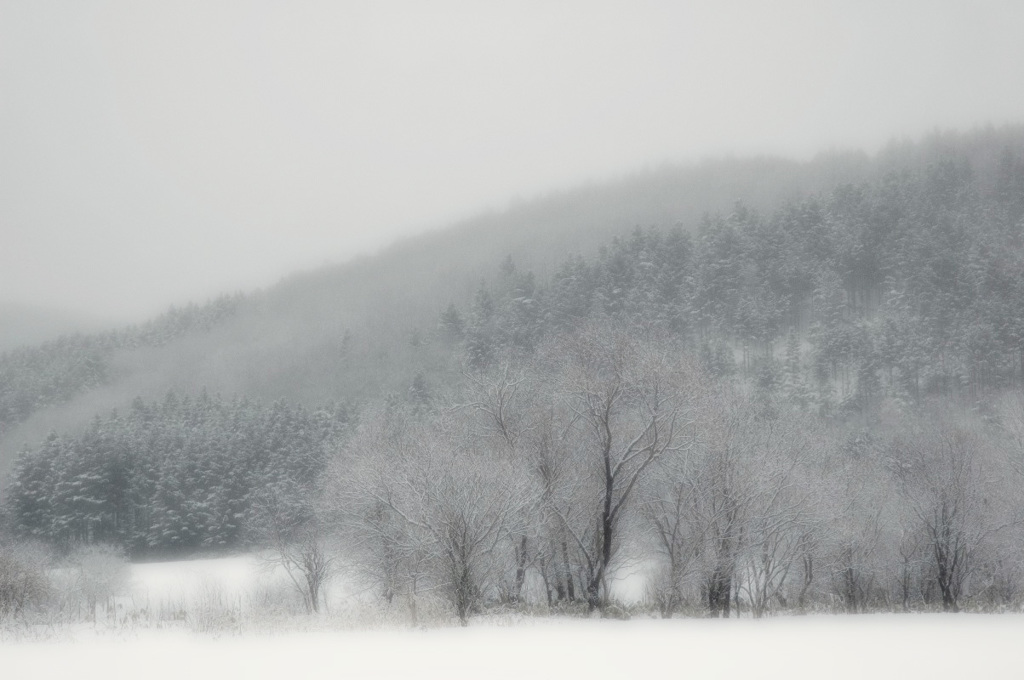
(492, 340)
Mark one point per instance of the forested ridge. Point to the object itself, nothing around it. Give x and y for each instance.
(812, 404)
(908, 286)
(37, 376)
(360, 329)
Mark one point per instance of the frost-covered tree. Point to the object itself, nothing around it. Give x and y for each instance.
(630, 403)
(961, 492)
(427, 507)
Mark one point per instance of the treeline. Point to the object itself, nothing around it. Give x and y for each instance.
(606, 453)
(903, 287)
(175, 477)
(54, 372)
(539, 481)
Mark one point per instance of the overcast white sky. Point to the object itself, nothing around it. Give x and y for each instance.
(157, 152)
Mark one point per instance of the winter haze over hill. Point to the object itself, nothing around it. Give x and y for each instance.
(158, 154)
(412, 315)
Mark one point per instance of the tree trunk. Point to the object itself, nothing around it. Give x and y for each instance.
(520, 570)
(547, 583)
(808, 579)
(570, 590)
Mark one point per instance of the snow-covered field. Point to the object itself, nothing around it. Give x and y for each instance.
(232, 580)
(922, 646)
(878, 646)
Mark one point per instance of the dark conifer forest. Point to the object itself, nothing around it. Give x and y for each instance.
(180, 476)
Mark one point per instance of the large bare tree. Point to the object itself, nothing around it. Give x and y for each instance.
(629, 402)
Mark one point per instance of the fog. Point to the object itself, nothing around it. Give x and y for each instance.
(156, 153)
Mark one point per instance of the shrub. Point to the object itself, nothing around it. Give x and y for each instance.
(23, 580)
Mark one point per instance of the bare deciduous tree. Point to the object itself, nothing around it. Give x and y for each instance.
(780, 514)
(296, 539)
(431, 509)
(669, 507)
(723, 492)
(954, 483)
(630, 402)
(859, 520)
(503, 403)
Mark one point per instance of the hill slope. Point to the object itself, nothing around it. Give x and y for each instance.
(368, 327)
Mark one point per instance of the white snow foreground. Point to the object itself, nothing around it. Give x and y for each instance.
(500, 646)
(883, 646)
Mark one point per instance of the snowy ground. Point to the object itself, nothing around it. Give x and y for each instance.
(877, 646)
(232, 580)
(921, 646)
